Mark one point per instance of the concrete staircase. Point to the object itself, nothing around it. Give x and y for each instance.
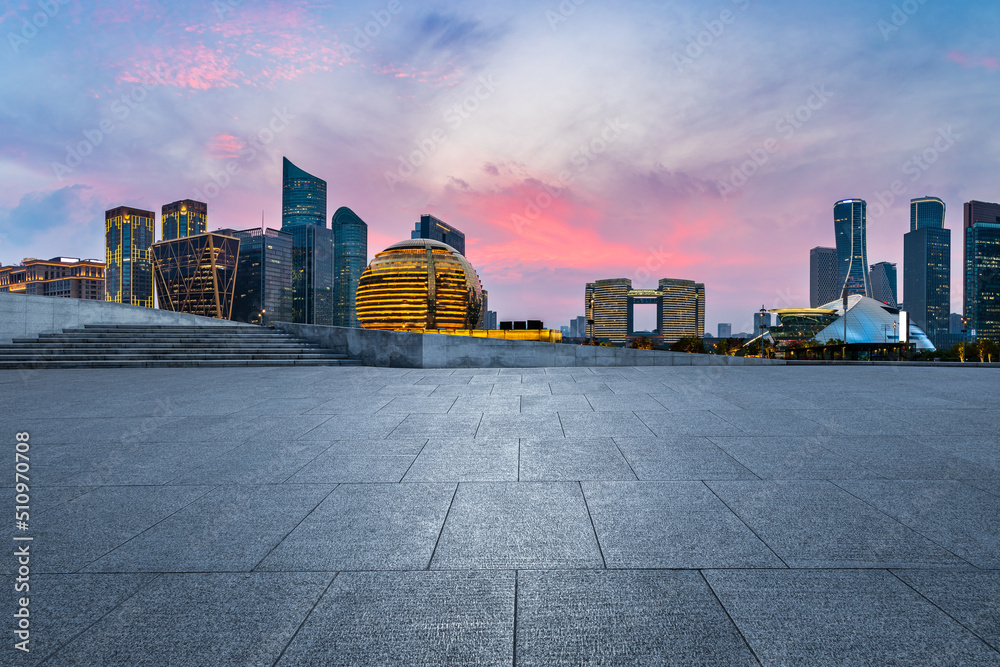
(153, 346)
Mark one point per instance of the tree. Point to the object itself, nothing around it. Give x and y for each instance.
(642, 344)
(690, 344)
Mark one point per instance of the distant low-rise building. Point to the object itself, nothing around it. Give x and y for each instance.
(60, 276)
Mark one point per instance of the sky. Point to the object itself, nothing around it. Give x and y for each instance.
(571, 141)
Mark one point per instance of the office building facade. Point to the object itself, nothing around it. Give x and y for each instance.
(60, 276)
(350, 235)
(610, 303)
(850, 221)
(927, 269)
(760, 322)
(823, 276)
(197, 274)
(263, 277)
(725, 330)
(128, 274)
(434, 229)
(183, 218)
(982, 270)
(882, 277)
(303, 215)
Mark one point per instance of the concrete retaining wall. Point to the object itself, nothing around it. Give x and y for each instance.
(26, 316)
(414, 350)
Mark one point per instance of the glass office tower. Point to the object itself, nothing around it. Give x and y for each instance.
(850, 226)
(823, 285)
(431, 228)
(350, 235)
(982, 270)
(303, 215)
(927, 269)
(197, 274)
(128, 276)
(183, 218)
(263, 277)
(882, 277)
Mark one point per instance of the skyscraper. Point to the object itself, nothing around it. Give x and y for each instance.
(823, 284)
(197, 274)
(610, 309)
(128, 276)
(183, 218)
(850, 224)
(263, 277)
(883, 282)
(303, 215)
(683, 309)
(303, 197)
(430, 227)
(725, 330)
(927, 268)
(350, 235)
(760, 321)
(982, 270)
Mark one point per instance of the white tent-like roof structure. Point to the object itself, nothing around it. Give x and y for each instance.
(869, 321)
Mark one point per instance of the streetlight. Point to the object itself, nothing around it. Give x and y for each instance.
(965, 324)
(763, 329)
(593, 334)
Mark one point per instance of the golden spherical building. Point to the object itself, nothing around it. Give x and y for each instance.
(419, 284)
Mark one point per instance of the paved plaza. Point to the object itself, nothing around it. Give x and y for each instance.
(679, 516)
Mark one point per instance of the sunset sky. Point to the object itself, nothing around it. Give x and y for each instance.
(570, 142)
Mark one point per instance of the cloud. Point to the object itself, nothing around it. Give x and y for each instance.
(989, 63)
(40, 219)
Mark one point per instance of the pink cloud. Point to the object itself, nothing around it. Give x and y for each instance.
(990, 63)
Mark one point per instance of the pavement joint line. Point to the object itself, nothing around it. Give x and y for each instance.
(72, 639)
(305, 619)
(749, 527)
(892, 518)
(561, 427)
(482, 415)
(443, 524)
(422, 447)
(733, 458)
(592, 526)
(292, 529)
(936, 606)
(731, 619)
(627, 462)
(517, 575)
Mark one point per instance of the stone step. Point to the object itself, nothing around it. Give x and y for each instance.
(182, 357)
(41, 365)
(64, 345)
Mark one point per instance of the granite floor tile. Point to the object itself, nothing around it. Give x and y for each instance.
(460, 425)
(355, 427)
(480, 404)
(602, 424)
(255, 463)
(623, 618)
(680, 458)
(670, 525)
(546, 425)
(970, 597)
(335, 468)
(367, 527)
(904, 458)
(518, 525)
(230, 529)
(959, 517)
(816, 524)
(240, 619)
(410, 618)
(842, 617)
(466, 460)
(792, 457)
(558, 403)
(572, 459)
(426, 405)
(686, 422)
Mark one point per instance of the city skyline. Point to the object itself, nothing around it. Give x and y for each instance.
(209, 100)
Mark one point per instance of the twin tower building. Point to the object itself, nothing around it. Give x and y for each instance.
(306, 272)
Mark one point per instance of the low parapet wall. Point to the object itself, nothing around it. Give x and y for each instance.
(26, 315)
(414, 350)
